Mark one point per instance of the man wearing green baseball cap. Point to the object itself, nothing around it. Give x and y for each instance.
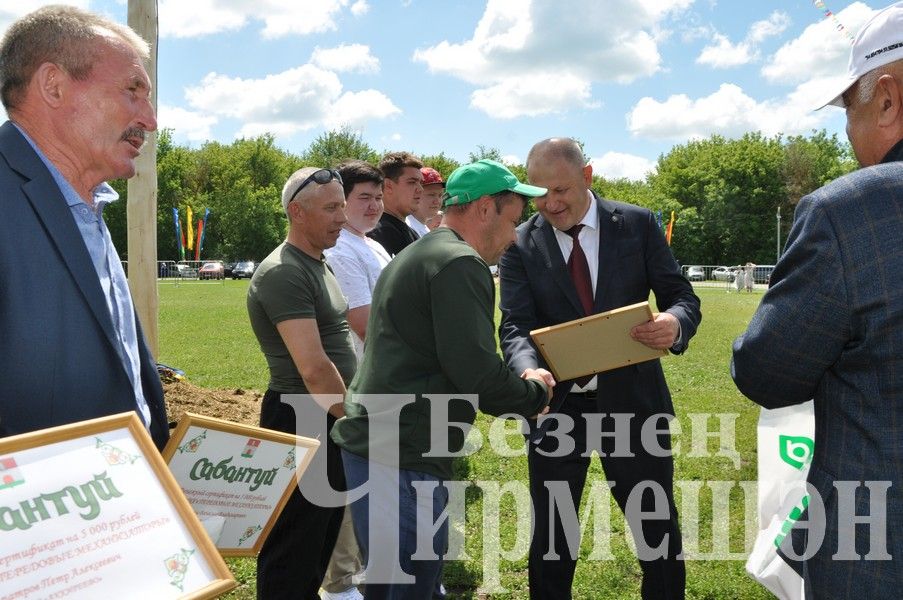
(429, 363)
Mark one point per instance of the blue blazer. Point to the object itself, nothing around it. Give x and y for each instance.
(58, 362)
(831, 328)
(537, 291)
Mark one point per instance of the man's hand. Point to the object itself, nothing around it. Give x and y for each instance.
(543, 376)
(660, 333)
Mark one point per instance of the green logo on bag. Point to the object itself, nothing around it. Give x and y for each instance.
(792, 518)
(796, 451)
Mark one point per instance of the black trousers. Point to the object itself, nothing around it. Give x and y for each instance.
(551, 577)
(293, 559)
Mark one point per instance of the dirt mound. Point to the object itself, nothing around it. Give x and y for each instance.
(239, 406)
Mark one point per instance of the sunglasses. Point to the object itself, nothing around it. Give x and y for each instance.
(321, 177)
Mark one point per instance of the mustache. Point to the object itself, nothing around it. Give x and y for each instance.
(134, 132)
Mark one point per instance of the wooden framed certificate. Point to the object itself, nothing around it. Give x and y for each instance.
(236, 477)
(596, 343)
(89, 510)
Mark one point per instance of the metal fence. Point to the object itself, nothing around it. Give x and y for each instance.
(188, 271)
(729, 277)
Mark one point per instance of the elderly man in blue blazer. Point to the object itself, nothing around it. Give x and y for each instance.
(71, 347)
(831, 328)
(582, 255)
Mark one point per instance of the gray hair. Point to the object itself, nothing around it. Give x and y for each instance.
(63, 35)
(565, 148)
(869, 82)
(291, 187)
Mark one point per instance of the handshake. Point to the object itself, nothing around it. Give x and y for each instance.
(543, 376)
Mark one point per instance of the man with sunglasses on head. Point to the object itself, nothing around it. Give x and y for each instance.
(298, 314)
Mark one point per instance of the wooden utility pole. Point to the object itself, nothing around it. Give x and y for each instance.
(142, 192)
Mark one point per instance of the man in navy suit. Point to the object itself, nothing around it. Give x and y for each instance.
(71, 347)
(619, 256)
(831, 328)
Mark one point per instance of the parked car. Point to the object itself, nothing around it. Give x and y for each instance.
(696, 273)
(227, 269)
(212, 270)
(172, 269)
(724, 273)
(242, 269)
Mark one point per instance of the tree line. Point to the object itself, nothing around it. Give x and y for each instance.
(725, 193)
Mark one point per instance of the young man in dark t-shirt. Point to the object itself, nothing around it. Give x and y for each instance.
(402, 188)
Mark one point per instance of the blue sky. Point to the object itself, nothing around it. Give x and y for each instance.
(630, 78)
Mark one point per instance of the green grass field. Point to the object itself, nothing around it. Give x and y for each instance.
(204, 331)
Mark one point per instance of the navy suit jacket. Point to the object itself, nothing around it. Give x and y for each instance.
(58, 359)
(537, 291)
(831, 328)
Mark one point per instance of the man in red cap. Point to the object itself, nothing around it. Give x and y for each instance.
(430, 201)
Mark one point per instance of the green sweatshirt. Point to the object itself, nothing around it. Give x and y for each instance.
(431, 331)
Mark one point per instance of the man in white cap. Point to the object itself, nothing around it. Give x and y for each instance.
(831, 328)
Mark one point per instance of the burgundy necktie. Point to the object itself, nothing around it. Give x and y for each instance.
(579, 270)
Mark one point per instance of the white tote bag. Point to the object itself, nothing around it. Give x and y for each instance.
(786, 441)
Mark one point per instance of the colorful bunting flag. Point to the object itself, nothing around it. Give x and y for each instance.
(197, 246)
(178, 229)
(670, 228)
(189, 221)
(203, 230)
(837, 24)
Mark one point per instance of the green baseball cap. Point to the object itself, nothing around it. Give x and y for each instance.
(482, 178)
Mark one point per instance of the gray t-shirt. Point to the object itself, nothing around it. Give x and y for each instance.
(289, 284)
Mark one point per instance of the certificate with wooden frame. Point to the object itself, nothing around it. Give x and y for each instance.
(237, 478)
(596, 343)
(89, 510)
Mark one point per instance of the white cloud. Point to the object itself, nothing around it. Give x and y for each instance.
(693, 33)
(814, 62)
(820, 51)
(723, 53)
(774, 25)
(512, 159)
(347, 57)
(284, 103)
(354, 109)
(617, 165)
(200, 17)
(728, 111)
(190, 125)
(360, 8)
(179, 18)
(515, 40)
(533, 96)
